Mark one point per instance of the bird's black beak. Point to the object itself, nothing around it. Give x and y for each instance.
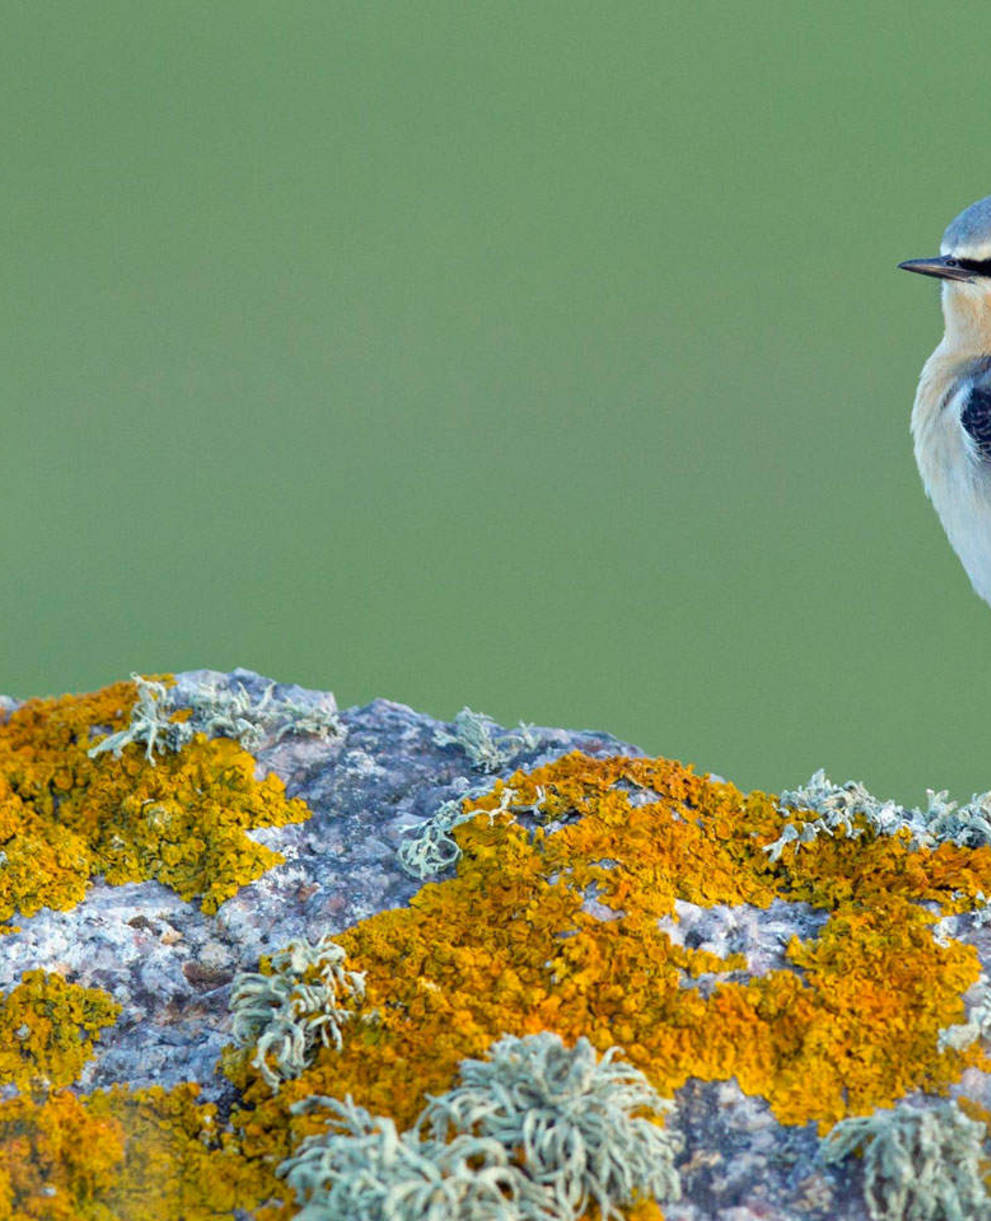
(943, 267)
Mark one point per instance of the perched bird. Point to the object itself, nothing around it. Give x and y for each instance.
(951, 418)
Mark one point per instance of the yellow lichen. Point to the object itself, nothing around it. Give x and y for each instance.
(47, 1027)
(974, 1110)
(506, 947)
(180, 820)
(117, 1155)
(509, 947)
(57, 1160)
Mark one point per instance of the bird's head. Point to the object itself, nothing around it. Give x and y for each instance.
(964, 266)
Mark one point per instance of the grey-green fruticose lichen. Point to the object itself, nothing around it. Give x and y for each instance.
(918, 1165)
(307, 980)
(216, 712)
(851, 809)
(487, 745)
(538, 1132)
(367, 1171)
(433, 848)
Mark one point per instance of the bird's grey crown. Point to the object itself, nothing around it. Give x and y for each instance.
(970, 232)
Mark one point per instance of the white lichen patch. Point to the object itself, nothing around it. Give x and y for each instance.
(636, 794)
(286, 1015)
(919, 1165)
(762, 936)
(538, 1132)
(593, 906)
(977, 1000)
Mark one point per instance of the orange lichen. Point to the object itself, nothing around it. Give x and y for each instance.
(181, 820)
(511, 946)
(117, 1155)
(57, 1160)
(47, 1027)
(506, 947)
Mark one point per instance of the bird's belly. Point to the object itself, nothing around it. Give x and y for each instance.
(956, 479)
(964, 508)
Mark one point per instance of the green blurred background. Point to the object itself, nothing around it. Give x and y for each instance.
(549, 358)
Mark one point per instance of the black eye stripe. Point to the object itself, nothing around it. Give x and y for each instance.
(981, 267)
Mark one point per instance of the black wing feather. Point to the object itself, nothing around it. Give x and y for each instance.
(976, 419)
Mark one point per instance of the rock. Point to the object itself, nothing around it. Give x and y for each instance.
(723, 953)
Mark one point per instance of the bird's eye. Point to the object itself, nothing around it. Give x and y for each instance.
(951, 262)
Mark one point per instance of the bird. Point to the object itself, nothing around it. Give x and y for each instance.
(951, 415)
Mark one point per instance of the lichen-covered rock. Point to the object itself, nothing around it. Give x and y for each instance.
(236, 917)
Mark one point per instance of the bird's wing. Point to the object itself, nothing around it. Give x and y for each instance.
(975, 414)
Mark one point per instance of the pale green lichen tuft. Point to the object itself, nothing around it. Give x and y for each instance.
(919, 1165)
(538, 1132)
(305, 1002)
(851, 810)
(487, 745)
(433, 848)
(151, 722)
(969, 826)
(578, 1119)
(222, 712)
(368, 1171)
(217, 712)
